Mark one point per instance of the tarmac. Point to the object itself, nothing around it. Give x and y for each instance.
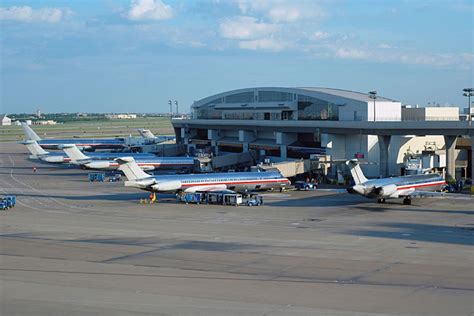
(71, 247)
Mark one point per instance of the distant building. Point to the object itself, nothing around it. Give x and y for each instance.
(5, 120)
(430, 114)
(45, 122)
(121, 116)
(38, 113)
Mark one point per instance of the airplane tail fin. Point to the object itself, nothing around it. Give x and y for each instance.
(146, 133)
(29, 132)
(356, 171)
(34, 148)
(130, 168)
(73, 152)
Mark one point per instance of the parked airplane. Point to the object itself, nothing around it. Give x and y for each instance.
(150, 137)
(37, 152)
(235, 181)
(404, 187)
(144, 162)
(83, 143)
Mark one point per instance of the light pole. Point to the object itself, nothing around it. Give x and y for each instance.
(171, 107)
(373, 95)
(468, 92)
(177, 111)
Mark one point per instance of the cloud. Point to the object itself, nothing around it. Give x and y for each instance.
(390, 54)
(262, 44)
(351, 53)
(28, 14)
(245, 27)
(281, 11)
(143, 10)
(319, 35)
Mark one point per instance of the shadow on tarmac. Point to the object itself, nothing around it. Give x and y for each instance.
(107, 197)
(420, 232)
(327, 200)
(413, 209)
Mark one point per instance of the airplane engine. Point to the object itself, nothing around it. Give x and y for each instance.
(166, 186)
(147, 168)
(98, 165)
(388, 191)
(53, 159)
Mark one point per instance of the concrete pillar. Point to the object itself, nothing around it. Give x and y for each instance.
(214, 148)
(384, 144)
(450, 145)
(283, 152)
(472, 158)
(285, 138)
(245, 147)
(213, 134)
(246, 136)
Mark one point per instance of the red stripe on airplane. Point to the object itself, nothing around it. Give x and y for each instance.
(421, 185)
(157, 165)
(236, 182)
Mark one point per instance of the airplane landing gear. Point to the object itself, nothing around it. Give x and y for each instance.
(406, 201)
(381, 201)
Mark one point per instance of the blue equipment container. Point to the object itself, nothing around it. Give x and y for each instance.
(11, 200)
(96, 176)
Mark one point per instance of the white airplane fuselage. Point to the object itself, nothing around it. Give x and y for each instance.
(162, 163)
(396, 187)
(238, 181)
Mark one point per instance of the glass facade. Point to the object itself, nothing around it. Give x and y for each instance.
(243, 97)
(243, 115)
(274, 96)
(310, 108)
(208, 112)
(216, 101)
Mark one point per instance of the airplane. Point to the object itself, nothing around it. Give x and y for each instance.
(151, 138)
(144, 162)
(234, 181)
(83, 143)
(404, 187)
(37, 152)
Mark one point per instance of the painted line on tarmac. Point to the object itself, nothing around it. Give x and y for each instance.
(26, 185)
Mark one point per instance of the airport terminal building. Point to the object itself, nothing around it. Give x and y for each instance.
(266, 120)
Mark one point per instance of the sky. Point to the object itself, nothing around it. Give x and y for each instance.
(135, 55)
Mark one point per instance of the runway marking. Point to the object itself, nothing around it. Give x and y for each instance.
(39, 192)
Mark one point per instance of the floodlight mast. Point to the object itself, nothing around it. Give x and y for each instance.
(373, 95)
(469, 92)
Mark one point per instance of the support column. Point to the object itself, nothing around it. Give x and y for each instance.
(283, 152)
(215, 148)
(384, 143)
(472, 159)
(213, 135)
(450, 145)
